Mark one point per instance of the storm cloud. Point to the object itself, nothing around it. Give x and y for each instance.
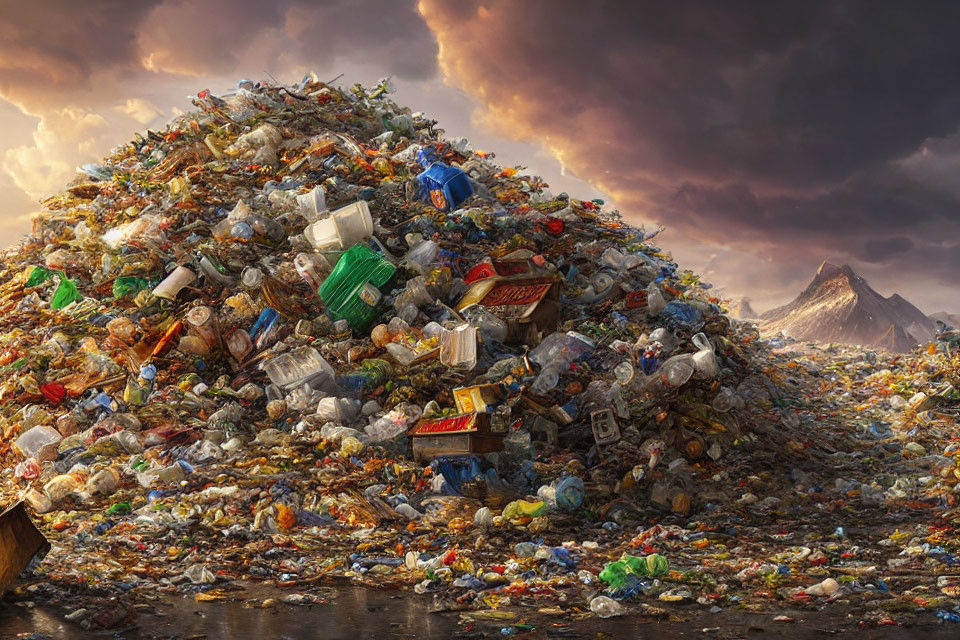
(779, 130)
(766, 136)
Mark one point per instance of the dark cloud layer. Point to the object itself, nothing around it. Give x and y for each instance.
(767, 136)
(795, 130)
(96, 50)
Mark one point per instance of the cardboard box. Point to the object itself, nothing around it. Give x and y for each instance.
(456, 435)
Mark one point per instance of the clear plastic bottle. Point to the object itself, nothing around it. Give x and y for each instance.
(676, 371)
(605, 607)
(546, 380)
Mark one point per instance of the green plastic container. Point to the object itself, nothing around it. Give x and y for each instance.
(352, 291)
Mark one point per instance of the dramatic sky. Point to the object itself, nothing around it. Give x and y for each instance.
(766, 136)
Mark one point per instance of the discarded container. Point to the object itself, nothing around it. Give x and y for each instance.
(344, 228)
(444, 186)
(353, 290)
(174, 283)
(458, 347)
(529, 307)
(461, 434)
(39, 442)
(290, 369)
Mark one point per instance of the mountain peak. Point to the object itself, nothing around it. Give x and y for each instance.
(829, 270)
(840, 306)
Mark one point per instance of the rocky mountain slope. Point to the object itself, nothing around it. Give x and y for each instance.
(839, 306)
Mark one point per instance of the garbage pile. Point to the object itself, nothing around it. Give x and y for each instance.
(299, 334)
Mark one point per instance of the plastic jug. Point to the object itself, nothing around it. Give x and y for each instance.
(560, 350)
(444, 186)
(353, 290)
(345, 227)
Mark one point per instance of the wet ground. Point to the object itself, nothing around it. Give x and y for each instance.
(355, 613)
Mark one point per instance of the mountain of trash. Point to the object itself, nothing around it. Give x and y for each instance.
(299, 334)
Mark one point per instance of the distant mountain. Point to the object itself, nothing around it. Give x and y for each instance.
(741, 309)
(839, 306)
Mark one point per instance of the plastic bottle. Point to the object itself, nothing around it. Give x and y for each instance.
(725, 400)
(655, 300)
(251, 278)
(310, 267)
(492, 328)
(560, 350)
(606, 607)
(415, 293)
(422, 255)
(407, 511)
(546, 380)
(202, 321)
(676, 371)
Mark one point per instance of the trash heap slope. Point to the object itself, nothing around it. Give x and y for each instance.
(302, 311)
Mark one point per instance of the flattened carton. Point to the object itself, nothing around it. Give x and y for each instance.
(460, 434)
(528, 306)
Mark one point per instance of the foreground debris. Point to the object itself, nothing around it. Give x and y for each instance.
(298, 336)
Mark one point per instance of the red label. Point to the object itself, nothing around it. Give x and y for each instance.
(515, 294)
(480, 272)
(636, 299)
(447, 425)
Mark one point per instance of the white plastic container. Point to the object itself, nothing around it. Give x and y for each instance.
(312, 203)
(344, 228)
(170, 286)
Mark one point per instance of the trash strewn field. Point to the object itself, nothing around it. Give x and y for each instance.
(299, 337)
